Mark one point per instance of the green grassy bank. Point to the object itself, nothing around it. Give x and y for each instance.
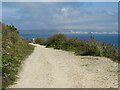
(14, 51)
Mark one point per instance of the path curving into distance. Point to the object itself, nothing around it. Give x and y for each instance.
(50, 68)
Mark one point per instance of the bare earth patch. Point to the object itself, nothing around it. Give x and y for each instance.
(50, 68)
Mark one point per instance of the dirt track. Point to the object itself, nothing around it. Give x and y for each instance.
(49, 68)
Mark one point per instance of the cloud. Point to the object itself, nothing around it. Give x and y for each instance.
(62, 16)
(0, 12)
(61, 1)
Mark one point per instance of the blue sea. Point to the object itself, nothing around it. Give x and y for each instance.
(104, 38)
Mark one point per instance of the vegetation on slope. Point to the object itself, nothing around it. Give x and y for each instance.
(15, 50)
(0, 56)
(40, 41)
(80, 47)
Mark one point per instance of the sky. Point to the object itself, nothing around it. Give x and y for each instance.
(61, 16)
(60, 0)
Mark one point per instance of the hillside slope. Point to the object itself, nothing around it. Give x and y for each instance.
(50, 68)
(15, 50)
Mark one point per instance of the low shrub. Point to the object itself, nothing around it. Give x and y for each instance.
(80, 47)
(56, 41)
(88, 48)
(40, 41)
(110, 51)
(71, 44)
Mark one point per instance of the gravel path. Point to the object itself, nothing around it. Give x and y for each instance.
(50, 68)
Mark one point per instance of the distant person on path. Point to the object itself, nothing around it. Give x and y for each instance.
(33, 40)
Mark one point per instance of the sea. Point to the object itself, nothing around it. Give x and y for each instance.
(103, 38)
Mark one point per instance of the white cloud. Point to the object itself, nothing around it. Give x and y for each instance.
(53, 16)
(65, 11)
(0, 12)
(60, 1)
